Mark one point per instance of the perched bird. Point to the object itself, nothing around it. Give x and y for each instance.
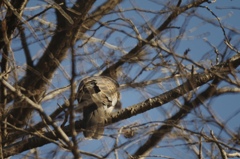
(97, 96)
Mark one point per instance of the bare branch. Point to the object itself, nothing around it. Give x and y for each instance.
(157, 101)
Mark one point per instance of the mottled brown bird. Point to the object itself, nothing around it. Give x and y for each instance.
(98, 96)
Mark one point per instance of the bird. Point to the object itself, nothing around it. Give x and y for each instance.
(98, 97)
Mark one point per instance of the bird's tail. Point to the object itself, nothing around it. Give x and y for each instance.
(93, 119)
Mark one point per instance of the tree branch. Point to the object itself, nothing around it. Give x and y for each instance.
(66, 35)
(35, 83)
(159, 134)
(194, 82)
(143, 42)
(13, 17)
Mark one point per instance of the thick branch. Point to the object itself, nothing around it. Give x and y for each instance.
(192, 83)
